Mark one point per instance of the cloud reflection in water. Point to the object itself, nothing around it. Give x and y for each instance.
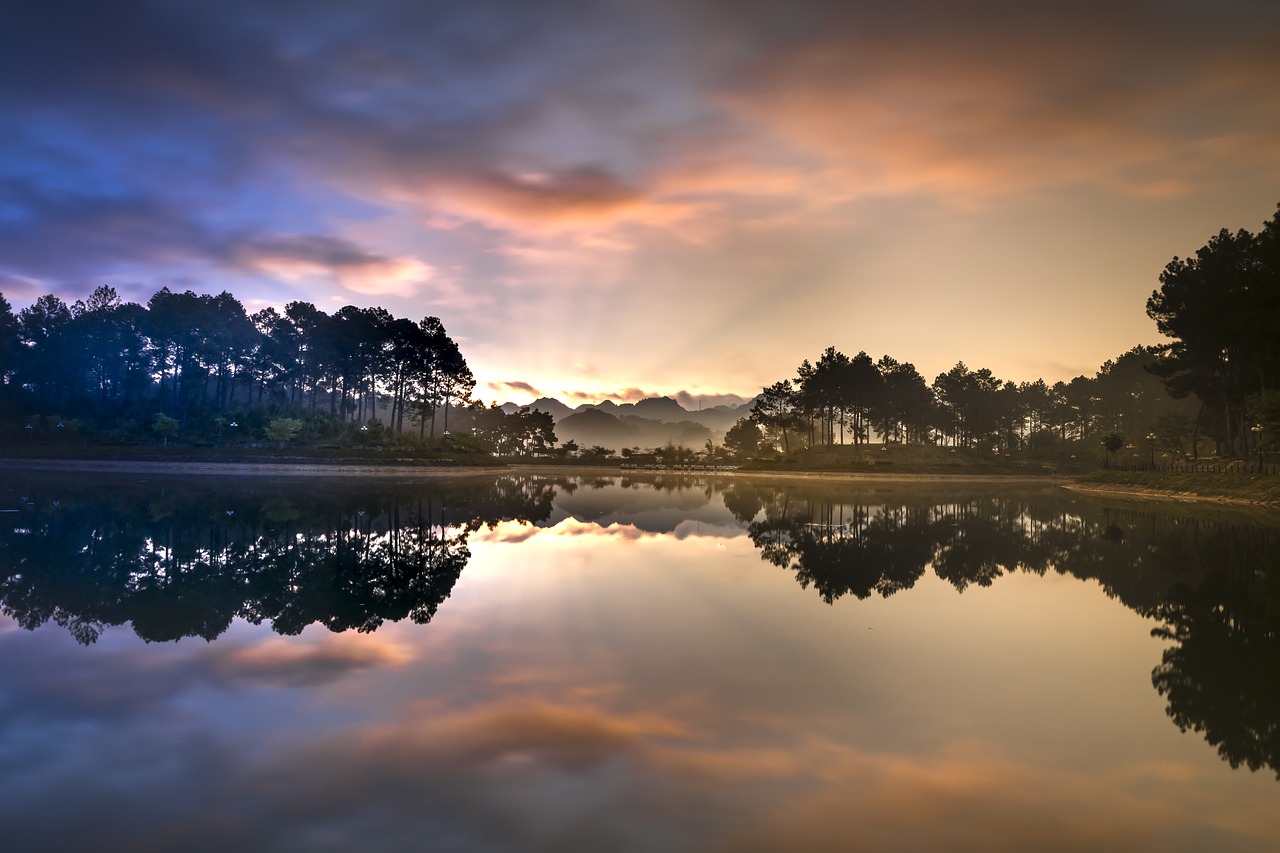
(598, 684)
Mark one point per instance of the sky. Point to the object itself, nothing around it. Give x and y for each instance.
(627, 198)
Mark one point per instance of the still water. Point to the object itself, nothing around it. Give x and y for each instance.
(634, 663)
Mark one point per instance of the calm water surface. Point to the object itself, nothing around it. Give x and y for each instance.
(539, 663)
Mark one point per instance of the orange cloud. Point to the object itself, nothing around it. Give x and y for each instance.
(563, 736)
(969, 798)
(810, 792)
(402, 276)
(294, 256)
(586, 200)
(517, 387)
(287, 663)
(986, 114)
(392, 276)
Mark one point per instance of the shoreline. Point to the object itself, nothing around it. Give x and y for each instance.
(300, 468)
(830, 476)
(1146, 493)
(352, 468)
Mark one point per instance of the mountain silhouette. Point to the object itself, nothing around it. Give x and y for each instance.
(650, 422)
(661, 409)
(593, 426)
(552, 407)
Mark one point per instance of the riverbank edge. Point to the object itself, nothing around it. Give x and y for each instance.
(285, 466)
(1109, 484)
(1212, 488)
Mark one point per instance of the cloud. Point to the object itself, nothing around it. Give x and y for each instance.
(581, 198)
(535, 167)
(518, 387)
(507, 533)
(117, 683)
(960, 801)
(577, 396)
(697, 400)
(490, 768)
(556, 735)
(297, 256)
(988, 102)
(281, 663)
(630, 395)
(21, 288)
(65, 234)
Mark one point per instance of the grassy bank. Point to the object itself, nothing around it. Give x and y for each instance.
(915, 459)
(1252, 488)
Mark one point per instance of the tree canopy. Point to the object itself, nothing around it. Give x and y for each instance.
(188, 355)
(1221, 308)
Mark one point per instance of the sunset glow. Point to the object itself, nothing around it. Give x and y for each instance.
(644, 198)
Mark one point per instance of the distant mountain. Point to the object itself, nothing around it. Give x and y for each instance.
(660, 409)
(720, 418)
(552, 407)
(650, 422)
(593, 426)
(659, 433)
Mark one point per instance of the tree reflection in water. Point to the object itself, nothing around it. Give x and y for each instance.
(176, 561)
(1213, 582)
(1221, 675)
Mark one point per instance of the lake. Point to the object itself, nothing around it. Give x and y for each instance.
(648, 662)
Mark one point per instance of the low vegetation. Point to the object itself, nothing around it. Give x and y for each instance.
(1253, 488)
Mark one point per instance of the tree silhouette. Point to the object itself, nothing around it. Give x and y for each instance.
(1221, 308)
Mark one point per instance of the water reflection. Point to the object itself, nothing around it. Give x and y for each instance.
(859, 545)
(1219, 676)
(1213, 582)
(174, 560)
(177, 560)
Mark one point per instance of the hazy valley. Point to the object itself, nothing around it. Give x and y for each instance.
(652, 422)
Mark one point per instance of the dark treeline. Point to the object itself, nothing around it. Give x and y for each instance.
(1216, 379)
(843, 400)
(200, 360)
